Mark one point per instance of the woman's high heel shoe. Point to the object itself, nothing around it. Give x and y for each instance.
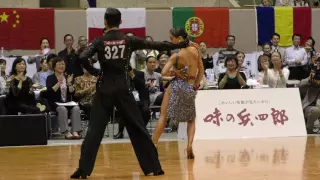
(190, 154)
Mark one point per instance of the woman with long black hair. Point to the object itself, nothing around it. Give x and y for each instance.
(179, 100)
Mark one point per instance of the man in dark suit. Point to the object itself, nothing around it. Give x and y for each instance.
(137, 83)
(114, 51)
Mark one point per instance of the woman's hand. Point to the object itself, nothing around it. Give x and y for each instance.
(20, 77)
(10, 78)
(182, 74)
(70, 79)
(193, 44)
(265, 67)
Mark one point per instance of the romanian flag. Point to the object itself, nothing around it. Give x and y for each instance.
(210, 25)
(285, 21)
(133, 20)
(22, 28)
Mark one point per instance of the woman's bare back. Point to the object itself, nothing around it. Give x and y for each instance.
(189, 57)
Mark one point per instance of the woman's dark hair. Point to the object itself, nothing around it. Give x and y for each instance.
(14, 64)
(149, 37)
(149, 57)
(275, 34)
(176, 32)
(259, 61)
(230, 58)
(239, 52)
(51, 57)
(44, 39)
(3, 61)
(231, 36)
(55, 61)
(65, 36)
(271, 65)
(160, 54)
(296, 35)
(313, 41)
(41, 62)
(266, 43)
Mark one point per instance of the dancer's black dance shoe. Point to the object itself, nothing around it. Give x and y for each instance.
(78, 174)
(158, 173)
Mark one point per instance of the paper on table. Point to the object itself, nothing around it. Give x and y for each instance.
(71, 103)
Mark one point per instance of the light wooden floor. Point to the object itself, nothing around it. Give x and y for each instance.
(252, 159)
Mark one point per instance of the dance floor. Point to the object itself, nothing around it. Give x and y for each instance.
(294, 158)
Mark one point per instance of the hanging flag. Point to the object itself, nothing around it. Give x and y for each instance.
(23, 28)
(210, 25)
(285, 21)
(92, 3)
(133, 20)
(302, 22)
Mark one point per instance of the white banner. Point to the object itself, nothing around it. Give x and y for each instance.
(249, 113)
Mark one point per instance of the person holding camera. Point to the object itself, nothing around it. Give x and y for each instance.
(311, 102)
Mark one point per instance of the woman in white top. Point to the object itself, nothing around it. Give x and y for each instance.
(276, 76)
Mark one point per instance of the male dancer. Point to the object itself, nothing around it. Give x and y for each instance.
(114, 51)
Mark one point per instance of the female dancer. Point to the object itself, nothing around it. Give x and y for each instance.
(179, 100)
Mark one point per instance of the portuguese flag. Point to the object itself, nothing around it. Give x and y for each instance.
(210, 25)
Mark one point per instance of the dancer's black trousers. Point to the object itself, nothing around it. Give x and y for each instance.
(141, 141)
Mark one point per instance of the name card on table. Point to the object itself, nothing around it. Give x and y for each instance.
(249, 113)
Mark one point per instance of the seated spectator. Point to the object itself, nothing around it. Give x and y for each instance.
(21, 97)
(60, 89)
(2, 86)
(309, 47)
(309, 103)
(276, 76)
(153, 81)
(49, 62)
(262, 60)
(3, 66)
(233, 78)
(240, 58)
(39, 79)
(85, 89)
(162, 59)
(266, 49)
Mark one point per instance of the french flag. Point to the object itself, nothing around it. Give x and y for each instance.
(92, 3)
(133, 20)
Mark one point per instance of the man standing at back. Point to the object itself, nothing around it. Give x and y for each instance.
(114, 51)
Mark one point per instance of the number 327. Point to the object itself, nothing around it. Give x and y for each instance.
(112, 52)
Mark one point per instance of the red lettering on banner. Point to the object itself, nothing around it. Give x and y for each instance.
(244, 118)
(215, 117)
(262, 117)
(230, 117)
(279, 116)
